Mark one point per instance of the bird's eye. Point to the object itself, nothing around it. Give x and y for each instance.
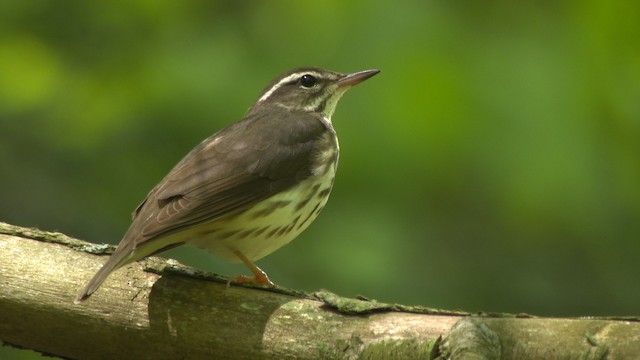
(308, 80)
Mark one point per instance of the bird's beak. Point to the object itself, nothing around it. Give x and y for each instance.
(356, 78)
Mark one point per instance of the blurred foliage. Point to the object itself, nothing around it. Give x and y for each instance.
(494, 164)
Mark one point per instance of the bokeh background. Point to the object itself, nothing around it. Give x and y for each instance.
(493, 165)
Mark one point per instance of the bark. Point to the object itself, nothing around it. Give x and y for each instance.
(159, 309)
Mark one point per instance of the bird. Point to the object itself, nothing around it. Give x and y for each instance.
(251, 187)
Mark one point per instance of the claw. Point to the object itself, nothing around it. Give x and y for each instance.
(260, 277)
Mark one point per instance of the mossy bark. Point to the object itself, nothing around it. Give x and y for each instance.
(157, 309)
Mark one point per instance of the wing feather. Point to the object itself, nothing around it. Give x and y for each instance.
(226, 174)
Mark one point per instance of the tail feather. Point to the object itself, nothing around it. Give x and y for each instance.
(121, 256)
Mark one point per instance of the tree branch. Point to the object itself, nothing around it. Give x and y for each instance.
(157, 309)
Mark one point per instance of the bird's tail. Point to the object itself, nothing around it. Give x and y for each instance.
(121, 256)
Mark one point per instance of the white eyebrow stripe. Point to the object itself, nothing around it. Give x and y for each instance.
(284, 81)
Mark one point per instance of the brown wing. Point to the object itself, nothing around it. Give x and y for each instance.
(235, 168)
(239, 166)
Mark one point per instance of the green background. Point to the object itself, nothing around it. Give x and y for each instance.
(493, 165)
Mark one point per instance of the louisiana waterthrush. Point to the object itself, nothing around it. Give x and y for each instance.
(250, 188)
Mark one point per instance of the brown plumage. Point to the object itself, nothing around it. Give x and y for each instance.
(261, 172)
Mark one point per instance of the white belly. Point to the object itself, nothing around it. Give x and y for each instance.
(270, 225)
